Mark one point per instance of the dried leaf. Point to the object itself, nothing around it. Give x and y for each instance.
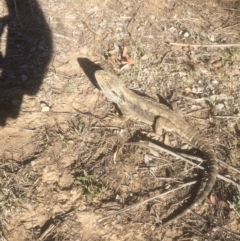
(130, 60)
(222, 204)
(218, 203)
(125, 58)
(124, 53)
(217, 64)
(213, 200)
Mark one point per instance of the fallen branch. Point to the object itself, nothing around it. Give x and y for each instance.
(198, 159)
(233, 234)
(232, 207)
(156, 147)
(205, 45)
(145, 201)
(227, 116)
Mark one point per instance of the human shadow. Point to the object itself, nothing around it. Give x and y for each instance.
(27, 54)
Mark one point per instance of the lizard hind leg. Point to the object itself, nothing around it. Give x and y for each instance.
(161, 124)
(159, 127)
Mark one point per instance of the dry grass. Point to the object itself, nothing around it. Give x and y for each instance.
(64, 164)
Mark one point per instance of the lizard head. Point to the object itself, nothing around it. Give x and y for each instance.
(110, 86)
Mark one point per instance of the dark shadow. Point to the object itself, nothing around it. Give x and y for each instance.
(233, 8)
(163, 101)
(237, 130)
(28, 52)
(89, 68)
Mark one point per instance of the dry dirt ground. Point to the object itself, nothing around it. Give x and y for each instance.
(64, 162)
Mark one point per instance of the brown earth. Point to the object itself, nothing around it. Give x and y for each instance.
(63, 162)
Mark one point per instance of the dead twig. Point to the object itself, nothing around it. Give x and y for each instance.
(227, 116)
(145, 201)
(228, 166)
(199, 232)
(156, 147)
(198, 159)
(65, 37)
(234, 235)
(230, 26)
(205, 45)
(234, 209)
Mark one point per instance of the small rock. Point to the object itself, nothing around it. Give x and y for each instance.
(211, 38)
(195, 107)
(167, 186)
(172, 30)
(194, 89)
(188, 90)
(45, 109)
(96, 90)
(219, 106)
(185, 34)
(214, 82)
(167, 141)
(217, 64)
(147, 159)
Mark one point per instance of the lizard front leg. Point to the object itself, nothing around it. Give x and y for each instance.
(162, 124)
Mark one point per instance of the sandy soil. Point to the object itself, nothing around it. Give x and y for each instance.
(63, 162)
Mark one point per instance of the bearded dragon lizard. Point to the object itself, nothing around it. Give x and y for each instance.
(153, 113)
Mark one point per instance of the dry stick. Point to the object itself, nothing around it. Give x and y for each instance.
(216, 225)
(227, 116)
(199, 232)
(66, 37)
(230, 167)
(230, 26)
(198, 159)
(205, 45)
(145, 201)
(151, 145)
(234, 209)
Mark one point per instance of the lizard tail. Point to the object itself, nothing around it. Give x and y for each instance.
(212, 169)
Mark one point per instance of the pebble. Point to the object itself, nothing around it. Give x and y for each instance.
(45, 109)
(186, 34)
(217, 64)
